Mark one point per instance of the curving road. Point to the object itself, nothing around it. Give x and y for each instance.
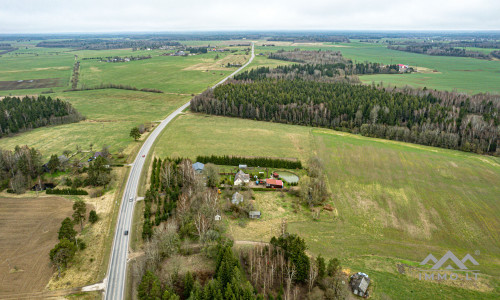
(117, 270)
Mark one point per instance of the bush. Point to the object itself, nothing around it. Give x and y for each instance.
(68, 191)
(81, 244)
(93, 217)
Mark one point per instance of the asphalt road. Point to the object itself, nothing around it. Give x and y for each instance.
(117, 270)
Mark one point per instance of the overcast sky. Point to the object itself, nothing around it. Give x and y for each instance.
(42, 16)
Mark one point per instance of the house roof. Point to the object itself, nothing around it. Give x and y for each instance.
(274, 182)
(198, 166)
(241, 175)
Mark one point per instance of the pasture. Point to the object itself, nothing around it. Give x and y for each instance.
(394, 203)
(28, 230)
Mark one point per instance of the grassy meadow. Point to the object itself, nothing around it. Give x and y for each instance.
(394, 202)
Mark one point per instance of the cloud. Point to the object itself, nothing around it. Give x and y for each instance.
(34, 16)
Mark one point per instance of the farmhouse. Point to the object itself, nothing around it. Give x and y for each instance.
(237, 198)
(359, 284)
(198, 167)
(274, 183)
(254, 214)
(241, 178)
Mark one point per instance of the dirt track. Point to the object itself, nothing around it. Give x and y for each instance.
(28, 230)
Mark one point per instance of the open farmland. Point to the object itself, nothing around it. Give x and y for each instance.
(111, 113)
(468, 75)
(394, 203)
(28, 230)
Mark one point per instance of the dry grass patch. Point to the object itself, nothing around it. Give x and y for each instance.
(220, 64)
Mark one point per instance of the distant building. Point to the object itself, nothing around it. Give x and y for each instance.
(218, 217)
(241, 178)
(254, 214)
(237, 198)
(359, 284)
(274, 183)
(198, 167)
(242, 166)
(98, 154)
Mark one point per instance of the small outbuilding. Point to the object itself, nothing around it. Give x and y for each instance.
(198, 167)
(237, 198)
(218, 217)
(240, 178)
(274, 183)
(359, 283)
(254, 214)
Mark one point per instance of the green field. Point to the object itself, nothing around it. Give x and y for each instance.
(463, 74)
(395, 202)
(110, 113)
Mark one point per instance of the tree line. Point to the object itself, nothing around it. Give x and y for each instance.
(440, 50)
(269, 162)
(197, 49)
(19, 115)
(102, 44)
(329, 62)
(442, 119)
(104, 86)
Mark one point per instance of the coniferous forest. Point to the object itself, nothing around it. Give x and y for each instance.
(427, 117)
(20, 115)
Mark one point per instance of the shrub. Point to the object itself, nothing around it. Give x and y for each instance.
(93, 217)
(68, 191)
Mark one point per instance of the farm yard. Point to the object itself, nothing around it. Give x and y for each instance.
(28, 230)
(391, 200)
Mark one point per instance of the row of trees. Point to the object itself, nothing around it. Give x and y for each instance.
(440, 50)
(469, 123)
(270, 162)
(104, 86)
(64, 251)
(18, 115)
(102, 44)
(76, 75)
(197, 49)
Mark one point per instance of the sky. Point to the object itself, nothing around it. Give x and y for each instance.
(66, 16)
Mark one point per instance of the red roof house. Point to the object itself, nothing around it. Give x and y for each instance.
(274, 183)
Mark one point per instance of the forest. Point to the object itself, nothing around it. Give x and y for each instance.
(32, 112)
(427, 117)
